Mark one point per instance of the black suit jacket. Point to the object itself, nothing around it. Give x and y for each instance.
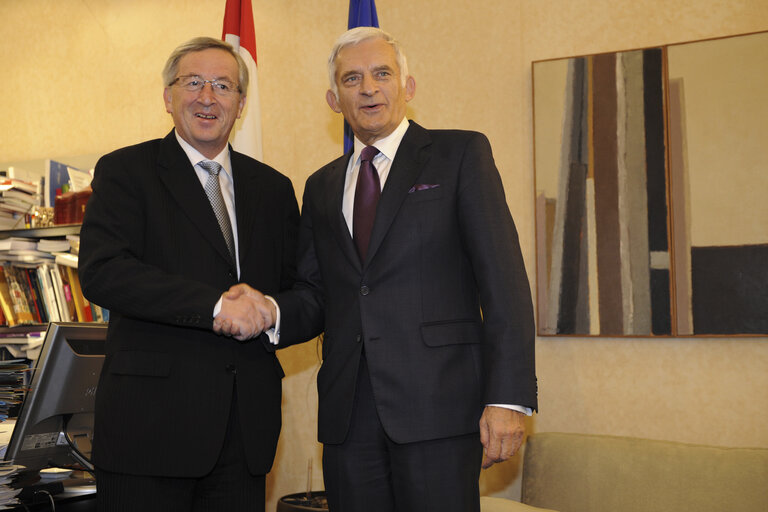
(442, 305)
(153, 254)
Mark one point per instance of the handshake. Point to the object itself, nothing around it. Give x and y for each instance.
(245, 313)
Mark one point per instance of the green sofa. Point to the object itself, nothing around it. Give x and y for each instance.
(593, 473)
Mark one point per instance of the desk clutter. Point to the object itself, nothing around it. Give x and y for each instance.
(14, 481)
(8, 471)
(13, 385)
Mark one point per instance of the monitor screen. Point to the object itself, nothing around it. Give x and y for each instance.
(55, 423)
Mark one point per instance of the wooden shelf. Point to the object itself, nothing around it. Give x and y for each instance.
(49, 232)
(21, 330)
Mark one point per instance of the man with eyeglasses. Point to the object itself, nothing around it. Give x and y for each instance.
(187, 419)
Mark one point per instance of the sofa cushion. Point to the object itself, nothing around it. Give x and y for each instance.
(592, 473)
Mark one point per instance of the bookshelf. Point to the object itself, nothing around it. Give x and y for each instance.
(20, 330)
(47, 232)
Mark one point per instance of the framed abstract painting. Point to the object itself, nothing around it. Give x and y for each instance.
(651, 172)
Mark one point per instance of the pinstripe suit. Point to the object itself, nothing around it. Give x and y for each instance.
(153, 254)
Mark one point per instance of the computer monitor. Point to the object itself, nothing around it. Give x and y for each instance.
(55, 423)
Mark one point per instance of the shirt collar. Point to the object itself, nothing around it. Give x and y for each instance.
(386, 146)
(195, 156)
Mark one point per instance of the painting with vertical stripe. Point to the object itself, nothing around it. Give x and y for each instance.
(615, 190)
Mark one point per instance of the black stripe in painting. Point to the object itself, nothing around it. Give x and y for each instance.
(655, 150)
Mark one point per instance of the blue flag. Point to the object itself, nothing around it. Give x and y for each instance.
(362, 13)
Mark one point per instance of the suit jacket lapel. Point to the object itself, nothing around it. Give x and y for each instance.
(180, 179)
(247, 199)
(412, 155)
(337, 173)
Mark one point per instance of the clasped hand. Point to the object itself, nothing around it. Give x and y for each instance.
(245, 313)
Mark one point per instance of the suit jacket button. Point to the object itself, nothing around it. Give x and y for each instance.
(359, 338)
(364, 290)
(231, 369)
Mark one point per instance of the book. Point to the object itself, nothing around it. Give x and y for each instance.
(61, 296)
(14, 184)
(74, 243)
(67, 291)
(21, 308)
(21, 197)
(82, 306)
(53, 245)
(29, 256)
(56, 181)
(79, 179)
(5, 300)
(48, 293)
(17, 243)
(32, 289)
(66, 259)
(98, 315)
(20, 173)
(13, 205)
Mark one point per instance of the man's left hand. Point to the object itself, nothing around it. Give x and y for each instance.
(501, 433)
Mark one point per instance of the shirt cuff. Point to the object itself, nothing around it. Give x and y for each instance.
(274, 333)
(519, 408)
(217, 307)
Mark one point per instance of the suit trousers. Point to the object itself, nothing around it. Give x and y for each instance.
(229, 486)
(369, 472)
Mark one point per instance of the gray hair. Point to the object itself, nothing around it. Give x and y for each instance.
(199, 44)
(358, 35)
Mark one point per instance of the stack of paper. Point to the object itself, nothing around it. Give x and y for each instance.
(53, 245)
(22, 249)
(22, 344)
(12, 387)
(17, 198)
(7, 492)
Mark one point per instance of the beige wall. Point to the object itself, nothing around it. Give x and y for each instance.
(82, 77)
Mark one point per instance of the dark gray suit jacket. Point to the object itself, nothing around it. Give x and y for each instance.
(442, 304)
(153, 254)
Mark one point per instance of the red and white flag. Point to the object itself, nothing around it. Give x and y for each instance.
(239, 32)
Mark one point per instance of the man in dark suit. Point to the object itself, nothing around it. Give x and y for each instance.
(428, 351)
(187, 419)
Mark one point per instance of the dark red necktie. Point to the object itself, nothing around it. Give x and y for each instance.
(367, 195)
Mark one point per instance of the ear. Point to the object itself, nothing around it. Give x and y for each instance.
(168, 100)
(332, 101)
(410, 88)
(241, 106)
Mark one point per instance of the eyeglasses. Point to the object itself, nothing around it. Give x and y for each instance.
(194, 83)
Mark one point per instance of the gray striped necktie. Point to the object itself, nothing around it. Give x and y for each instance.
(213, 190)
